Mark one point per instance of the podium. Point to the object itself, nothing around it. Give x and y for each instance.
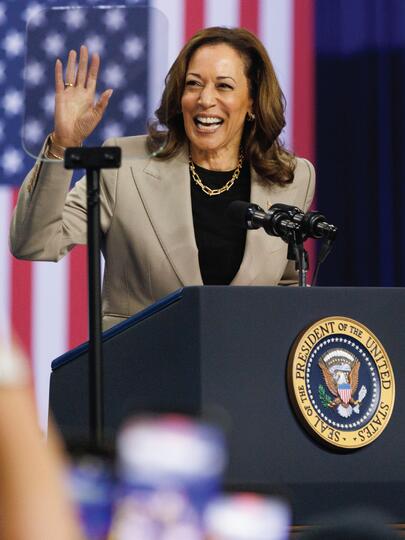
(221, 352)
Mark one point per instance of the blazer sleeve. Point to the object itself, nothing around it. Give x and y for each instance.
(49, 219)
(290, 275)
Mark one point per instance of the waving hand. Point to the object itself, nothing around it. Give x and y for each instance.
(76, 111)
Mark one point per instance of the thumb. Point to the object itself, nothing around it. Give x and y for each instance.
(102, 103)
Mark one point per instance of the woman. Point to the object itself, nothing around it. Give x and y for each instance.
(162, 212)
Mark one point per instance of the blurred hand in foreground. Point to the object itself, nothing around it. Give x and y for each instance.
(33, 500)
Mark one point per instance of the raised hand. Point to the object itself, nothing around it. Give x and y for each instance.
(76, 112)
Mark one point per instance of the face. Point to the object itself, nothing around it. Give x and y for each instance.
(215, 101)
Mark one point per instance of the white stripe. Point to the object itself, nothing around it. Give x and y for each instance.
(277, 34)
(222, 13)
(174, 11)
(102, 267)
(6, 194)
(158, 63)
(49, 325)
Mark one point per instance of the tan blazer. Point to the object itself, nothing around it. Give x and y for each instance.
(147, 223)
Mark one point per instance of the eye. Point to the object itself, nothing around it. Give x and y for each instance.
(226, 86)
(192, 82)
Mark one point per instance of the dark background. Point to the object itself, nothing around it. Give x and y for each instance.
(360, 127)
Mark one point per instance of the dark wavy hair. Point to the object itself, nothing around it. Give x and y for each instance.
(260, 139)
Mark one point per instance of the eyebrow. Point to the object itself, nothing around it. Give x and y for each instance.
(219, 78)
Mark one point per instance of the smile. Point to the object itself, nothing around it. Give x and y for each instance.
(208, 124)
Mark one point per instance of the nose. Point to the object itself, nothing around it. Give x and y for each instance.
(207, 97)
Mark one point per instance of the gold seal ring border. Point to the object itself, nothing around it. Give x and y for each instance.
(68, 84)
(294, 392)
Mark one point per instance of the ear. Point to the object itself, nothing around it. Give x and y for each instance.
(250, 106)
(250, 114)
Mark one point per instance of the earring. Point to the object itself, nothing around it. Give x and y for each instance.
(251, 117)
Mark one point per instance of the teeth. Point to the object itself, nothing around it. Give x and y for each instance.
(208, 120)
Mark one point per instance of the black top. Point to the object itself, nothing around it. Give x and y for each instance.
(220, 243)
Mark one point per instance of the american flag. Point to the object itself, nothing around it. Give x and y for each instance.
(45, 304)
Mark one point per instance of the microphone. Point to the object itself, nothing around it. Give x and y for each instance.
(275, 222)
(281, 220)
(316, 226)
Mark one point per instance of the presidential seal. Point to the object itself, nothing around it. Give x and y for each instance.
(341, 382)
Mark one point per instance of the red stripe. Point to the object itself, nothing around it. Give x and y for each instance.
(304, 79)
(21, 299)
(304, 91)
(78, 303)
(249, 15)
(193, 17)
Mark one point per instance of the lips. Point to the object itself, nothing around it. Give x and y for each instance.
(208, 123)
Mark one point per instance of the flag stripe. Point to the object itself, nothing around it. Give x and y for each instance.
(303, 96)
(249, 14)
(223, 13)
(193, 17)
(174, 14)
(275, 31)
(304, 73)
(21, 300)
(78, 293)
(50, 325)
(6, 203)
(158, 56)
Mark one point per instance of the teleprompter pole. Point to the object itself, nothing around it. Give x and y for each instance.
(93, 160)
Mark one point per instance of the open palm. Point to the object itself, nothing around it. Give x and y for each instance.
(77, 113)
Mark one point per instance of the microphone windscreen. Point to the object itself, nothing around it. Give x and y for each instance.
(237, 212)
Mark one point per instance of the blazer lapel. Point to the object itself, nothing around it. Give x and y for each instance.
(164, 188)
(165, 185)
(259, 245)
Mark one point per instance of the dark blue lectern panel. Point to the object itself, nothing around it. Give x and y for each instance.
(222, 352)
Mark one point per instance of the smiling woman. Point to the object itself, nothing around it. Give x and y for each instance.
(215, 103)
(234, 63)
(215, 140)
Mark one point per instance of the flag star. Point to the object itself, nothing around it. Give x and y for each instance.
(95, 44)
(114, 19)
(75, 18)
(34, 14)
(12, 102)
(48, 103)
(112, 129)
(13, 43)
(1, 130)
(133, 48)
(12, 160)
(34, 73)
(2, 72)
(54, 44)
(2, 13)
(33, 131)
(113, 76)
(132, 105)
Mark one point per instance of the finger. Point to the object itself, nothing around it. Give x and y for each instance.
(82, 70)
(102, 103)
(59, 84)
(70, 75)
(93, 72)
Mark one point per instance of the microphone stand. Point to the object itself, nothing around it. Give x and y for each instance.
(297, 252)
(93, 160)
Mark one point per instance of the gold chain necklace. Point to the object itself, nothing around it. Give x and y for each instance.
(217, 191)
